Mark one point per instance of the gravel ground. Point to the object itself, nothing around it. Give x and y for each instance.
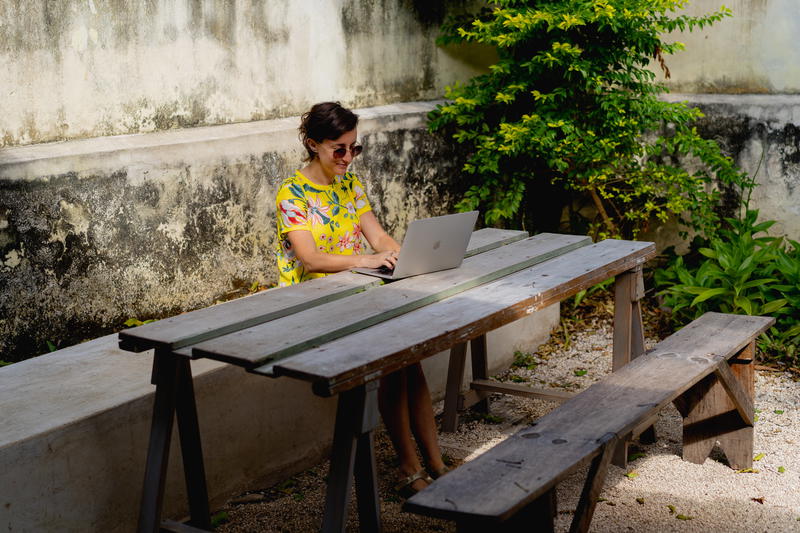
(658, 491)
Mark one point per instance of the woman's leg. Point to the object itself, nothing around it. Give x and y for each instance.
(421, 417)
(393, 404)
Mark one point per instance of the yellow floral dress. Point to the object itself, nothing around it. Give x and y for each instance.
(331, 213)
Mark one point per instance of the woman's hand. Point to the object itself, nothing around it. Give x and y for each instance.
(381, 259)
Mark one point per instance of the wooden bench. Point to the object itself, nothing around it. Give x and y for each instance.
(706, 369)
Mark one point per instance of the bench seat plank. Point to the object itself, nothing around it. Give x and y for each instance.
(536, 458)
(292, 334)
(387, 347)
(196, 326)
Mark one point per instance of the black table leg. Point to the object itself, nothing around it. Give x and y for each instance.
(172, 377)
(356, 418)
(191, 448)
(164, 378)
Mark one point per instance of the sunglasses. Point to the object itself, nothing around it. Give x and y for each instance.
(339, 153)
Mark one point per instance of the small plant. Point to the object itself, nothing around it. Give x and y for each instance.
(524, 360)
(740, 270)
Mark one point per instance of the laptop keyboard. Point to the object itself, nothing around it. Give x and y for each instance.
(385, 270)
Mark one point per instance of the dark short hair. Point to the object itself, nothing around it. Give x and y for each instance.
(326, 120)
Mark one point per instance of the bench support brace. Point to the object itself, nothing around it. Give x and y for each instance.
(354, 454)
(720, 408)
(172, 377)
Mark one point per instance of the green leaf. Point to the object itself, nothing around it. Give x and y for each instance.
(744, 304)
(778, 411)
(684, 517)
(781, 470)
(758, 457)
(708, 293)
(770, 307)
(580, 373)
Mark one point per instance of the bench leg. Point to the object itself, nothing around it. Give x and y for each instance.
(538, 516)
(710, 415)
(356, 419)
(628, 338)
(591, 489)
(455, 376)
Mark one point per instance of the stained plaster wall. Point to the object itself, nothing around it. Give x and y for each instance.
(754, 51)
(93, 232)
(89, 68)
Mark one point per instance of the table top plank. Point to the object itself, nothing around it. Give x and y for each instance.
(487, 239)
(194, 327)
(386, 347)
(287, 335)
(537, 457)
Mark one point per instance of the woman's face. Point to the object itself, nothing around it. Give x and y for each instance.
(335, 155)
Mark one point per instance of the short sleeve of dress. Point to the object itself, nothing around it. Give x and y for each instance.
(359, 196)
(292, 208)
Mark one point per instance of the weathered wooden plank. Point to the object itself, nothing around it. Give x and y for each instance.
(387, 347)
(487, 239)
(521, 468)
(521, 390)
(291, 334)
(196, 326)
(190, 328)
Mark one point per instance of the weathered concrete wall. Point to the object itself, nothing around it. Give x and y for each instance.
(761, 133)
(76, 424)
(93, 232)
(755, 51)
(89, 68)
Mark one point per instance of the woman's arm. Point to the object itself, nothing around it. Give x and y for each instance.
(313, 260)
(376, 235)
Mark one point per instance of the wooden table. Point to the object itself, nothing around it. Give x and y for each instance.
(364, 330)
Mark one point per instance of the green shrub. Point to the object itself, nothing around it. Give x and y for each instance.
(740, 270)
(572, 102)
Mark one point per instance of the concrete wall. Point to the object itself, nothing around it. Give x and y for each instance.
(96, 231)
(76, 423)
(755, 51)
(90, 68)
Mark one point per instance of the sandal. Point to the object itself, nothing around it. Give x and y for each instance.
(436, 474)
(404, 487)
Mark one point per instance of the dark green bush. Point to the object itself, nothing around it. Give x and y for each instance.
(572, 108)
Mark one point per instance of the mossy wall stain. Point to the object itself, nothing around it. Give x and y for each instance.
(80, 253)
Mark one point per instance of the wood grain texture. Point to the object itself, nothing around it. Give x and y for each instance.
(288, 335)
(526, 465)
(387, 347)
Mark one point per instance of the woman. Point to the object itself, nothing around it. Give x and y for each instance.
(323, 216)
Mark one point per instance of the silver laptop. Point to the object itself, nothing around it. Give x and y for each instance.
(430, 244)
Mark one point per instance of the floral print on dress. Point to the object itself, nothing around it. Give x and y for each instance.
(331, 213)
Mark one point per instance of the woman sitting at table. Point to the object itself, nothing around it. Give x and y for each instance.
(323, 216)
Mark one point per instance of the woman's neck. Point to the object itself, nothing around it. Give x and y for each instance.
(314, 172)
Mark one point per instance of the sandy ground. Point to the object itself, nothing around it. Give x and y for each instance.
(658, 491)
